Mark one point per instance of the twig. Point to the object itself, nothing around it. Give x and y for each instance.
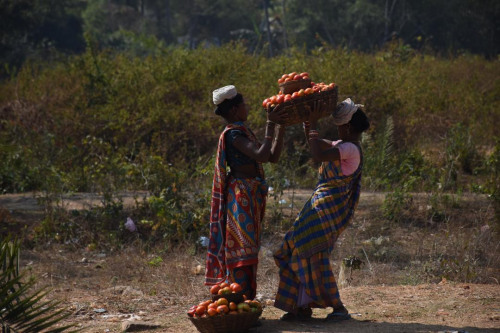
(366, 256)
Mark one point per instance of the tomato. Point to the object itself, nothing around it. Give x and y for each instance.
(264, 103)
(205, 303)
(222, 309)
(212, 306)
(305, 77)
(304, 74)
(288, 79)
(224, 285)
(316, 88)
(295, 94)
(272, 99)
(236, 287)
(243, 307)
(297, 77)
(284, 76)
(301, 92)
(222, 301)
(233, 306)
(191, 312)
(279, 100)
(331, 85)
(200, 310)
(211, 312)
(292, 74)
(308, 91)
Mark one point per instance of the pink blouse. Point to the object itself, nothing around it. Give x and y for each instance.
(349, 156)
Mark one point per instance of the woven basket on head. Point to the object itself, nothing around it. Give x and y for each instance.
(299, 109)
(292, 86)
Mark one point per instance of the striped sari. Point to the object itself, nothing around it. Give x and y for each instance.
(306, 276)
(237, 210)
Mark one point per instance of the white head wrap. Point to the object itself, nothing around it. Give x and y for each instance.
(344, 111)
(221, 94)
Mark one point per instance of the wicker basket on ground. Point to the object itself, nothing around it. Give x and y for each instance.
(230, 323)
(300, 108)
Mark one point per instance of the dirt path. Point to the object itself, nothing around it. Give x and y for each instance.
(105, 290)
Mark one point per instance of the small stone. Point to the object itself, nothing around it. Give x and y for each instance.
(135, 326)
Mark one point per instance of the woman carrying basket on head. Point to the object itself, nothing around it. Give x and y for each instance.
(239, 194)
(306, 277)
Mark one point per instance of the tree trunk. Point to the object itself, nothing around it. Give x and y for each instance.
(269, 38)
(285, 41)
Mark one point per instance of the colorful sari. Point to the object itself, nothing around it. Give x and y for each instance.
(306, 276)
(237, 209)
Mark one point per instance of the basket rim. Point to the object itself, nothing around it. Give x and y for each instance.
(307, 98)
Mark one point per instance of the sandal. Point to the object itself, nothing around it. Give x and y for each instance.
(302, 314)
(338, 316)
(289, 317)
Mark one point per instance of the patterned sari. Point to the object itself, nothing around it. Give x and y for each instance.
(237, 210)
(306, 276)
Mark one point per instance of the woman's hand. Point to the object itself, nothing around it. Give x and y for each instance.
(277, 114)
(316, 111)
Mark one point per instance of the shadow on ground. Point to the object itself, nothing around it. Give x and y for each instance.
(359, 326)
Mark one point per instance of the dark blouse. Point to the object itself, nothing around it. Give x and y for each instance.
(233, 155)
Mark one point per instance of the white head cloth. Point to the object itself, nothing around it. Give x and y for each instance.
(221, 94)
(344, 111)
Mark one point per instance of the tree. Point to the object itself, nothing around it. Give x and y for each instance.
(36, 28)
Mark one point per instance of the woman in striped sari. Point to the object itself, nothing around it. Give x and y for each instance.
(306, 277)
(239, 194)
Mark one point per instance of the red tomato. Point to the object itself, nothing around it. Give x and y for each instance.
(281, 80)
(331, 85)
(272, 99)
(200, 310)
(212, 312)
(279, 100)
(288, 97)
(288, 79)
(284, 76)
(292, 74)
(304, 74)
(215, 289)
(205, 303)
(295, 95)
(297, 77)
(191, 312)
(301, 92)
(236, 287)
(308, 91)
(222, 309)
(224, 285)
(305, 77)
(233, 306)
